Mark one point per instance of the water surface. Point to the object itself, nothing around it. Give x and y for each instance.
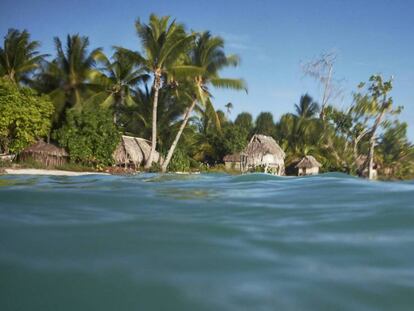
(205, 242)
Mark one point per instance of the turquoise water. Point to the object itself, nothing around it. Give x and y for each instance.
(205, 242)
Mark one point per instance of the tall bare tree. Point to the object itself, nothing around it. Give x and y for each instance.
(322, 70)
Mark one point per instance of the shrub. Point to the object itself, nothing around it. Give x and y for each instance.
(90, 136)
(24, 116)
(180, 162)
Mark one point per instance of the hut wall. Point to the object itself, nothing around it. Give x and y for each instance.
(232, 165)
(46, 160)
(308, 171)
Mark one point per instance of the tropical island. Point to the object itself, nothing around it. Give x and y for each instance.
(152, 109)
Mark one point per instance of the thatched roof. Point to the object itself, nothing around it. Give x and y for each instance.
(263, 150)
(235, 157)
(45, 149)
(133, 150)
(308, 162)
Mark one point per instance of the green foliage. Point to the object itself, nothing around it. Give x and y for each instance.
(244, 120)
(235, 139)
(184, 68)
(19, 56)
(180, 162)
(24, 116)
(69, 78)
(307, 108)
(90, 136)
(396, 152)
(265, 124)
(155, 168)
(117, 81)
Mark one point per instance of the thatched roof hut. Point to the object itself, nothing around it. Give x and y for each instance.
(235, 157)
(263, 151)
(232, 161)
(133, 151)
(308, 166)
(47, 154)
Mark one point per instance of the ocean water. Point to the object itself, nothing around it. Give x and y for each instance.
(205, 242)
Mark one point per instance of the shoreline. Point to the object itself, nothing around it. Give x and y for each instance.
(33, 171)
(52, 172)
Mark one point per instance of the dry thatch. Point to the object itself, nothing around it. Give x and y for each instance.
(44, 148)
(264, 151)
(133, 151)
(48, 154)
(308, 162)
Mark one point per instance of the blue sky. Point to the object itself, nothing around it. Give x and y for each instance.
(271, 37)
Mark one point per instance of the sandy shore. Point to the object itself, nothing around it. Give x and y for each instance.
(31, 171)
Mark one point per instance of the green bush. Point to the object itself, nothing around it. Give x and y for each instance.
(155, 168)
(180, 162)
(90, 136)
(24, 116)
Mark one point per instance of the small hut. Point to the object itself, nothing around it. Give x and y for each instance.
(263, 152)
(232, 161)
(133, 152)
(308, 166)
(44, 153)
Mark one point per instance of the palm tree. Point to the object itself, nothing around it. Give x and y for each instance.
(19, 56)
(164, 43)
(119, 79)
(298, 135)
(69, 76)
(229, 107)
(209, 57)
(136, 119)
(307, 107)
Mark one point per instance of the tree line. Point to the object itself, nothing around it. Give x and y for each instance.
(163, 91)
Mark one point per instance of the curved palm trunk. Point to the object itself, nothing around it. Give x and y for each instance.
(118, 104)
(177, 137)
(157, 85)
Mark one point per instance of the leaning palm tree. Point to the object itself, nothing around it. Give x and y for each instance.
(19, 56)
(119, 80)
(307, 107)
(208, 55)
(164, 44)
(69, 77)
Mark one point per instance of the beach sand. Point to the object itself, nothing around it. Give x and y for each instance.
(31, 171)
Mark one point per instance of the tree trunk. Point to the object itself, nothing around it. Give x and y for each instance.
(157, 85)
(177, 137)
(372, 146)
(356, 142)
(326, 94)
(118, 104)
(371, 157)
